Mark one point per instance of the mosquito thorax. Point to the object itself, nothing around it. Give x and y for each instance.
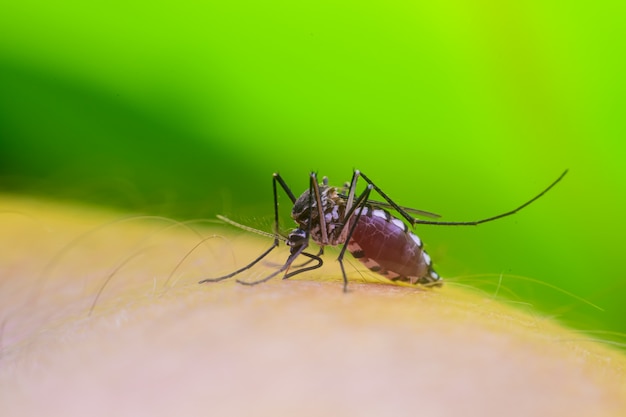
(333, 207)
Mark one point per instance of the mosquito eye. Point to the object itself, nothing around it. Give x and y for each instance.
(297, 234)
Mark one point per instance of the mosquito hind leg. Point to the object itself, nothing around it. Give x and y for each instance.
(415, 221)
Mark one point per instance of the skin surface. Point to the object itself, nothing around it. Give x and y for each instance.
(156, 343)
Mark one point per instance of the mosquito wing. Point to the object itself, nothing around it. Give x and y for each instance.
(388, 206)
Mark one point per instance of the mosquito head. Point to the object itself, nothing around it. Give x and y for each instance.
(296, 239)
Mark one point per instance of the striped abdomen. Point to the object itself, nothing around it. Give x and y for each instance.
(384, 244)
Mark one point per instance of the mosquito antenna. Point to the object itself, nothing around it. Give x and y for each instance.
(250, 229)
(499, 216)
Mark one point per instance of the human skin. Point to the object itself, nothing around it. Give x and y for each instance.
(102, 315)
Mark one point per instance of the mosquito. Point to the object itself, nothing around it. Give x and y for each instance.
(334, 216)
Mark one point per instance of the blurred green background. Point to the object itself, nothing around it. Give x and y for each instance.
(462, 108)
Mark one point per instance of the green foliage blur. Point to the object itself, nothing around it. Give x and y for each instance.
(464, 108)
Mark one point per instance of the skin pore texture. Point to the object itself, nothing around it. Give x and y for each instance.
(102, 315)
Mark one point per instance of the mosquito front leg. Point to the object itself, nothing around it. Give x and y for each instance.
(240, 270)
(276, 179)
(296, 251)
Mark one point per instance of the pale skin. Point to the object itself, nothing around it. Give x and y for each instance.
(156, 343)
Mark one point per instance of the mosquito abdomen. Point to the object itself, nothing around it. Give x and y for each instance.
(385, 245)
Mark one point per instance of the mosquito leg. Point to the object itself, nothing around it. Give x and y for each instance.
(360, 202)
(320, 209)
(283, 184)
(286, 267)
(296, 251)
(352, 188)
(240, 270)
(317, 258)
(317, 255)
